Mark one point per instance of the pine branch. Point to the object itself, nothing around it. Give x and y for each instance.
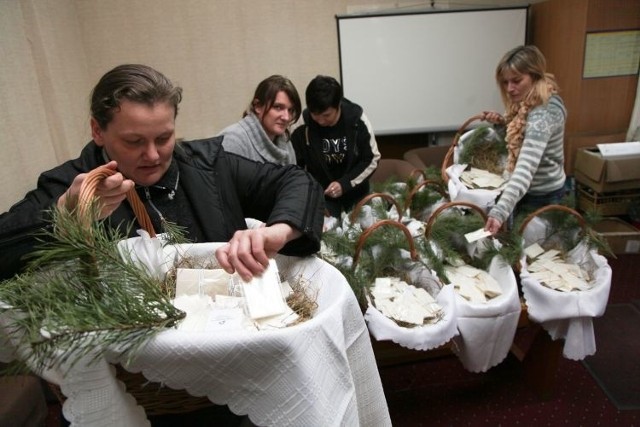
(483, 149)
(79, 296)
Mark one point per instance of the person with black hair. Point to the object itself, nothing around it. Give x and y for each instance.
(336, 145)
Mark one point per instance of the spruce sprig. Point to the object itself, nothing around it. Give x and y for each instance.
(80, 295)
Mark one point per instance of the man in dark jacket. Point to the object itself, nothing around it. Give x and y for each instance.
(336, 145)
(196, 185)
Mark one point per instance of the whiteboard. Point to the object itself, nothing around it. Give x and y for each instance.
(427, 71)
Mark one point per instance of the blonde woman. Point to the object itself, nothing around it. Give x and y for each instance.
(533, 127)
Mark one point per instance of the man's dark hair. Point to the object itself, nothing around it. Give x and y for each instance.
(323, 92)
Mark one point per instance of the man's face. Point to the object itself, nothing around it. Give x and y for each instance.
(140, 138)
(328, 117)
(277, 119)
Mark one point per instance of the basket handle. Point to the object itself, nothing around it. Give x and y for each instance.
(356, 210)
(443, 207)
(417, 173)
(365, 235)
(438, 187)
(543, 209)
(448, 158)
(87, 193)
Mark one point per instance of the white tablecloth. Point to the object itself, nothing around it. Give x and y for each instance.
(318, 373)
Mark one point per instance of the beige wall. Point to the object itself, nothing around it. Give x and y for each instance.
(218, 50)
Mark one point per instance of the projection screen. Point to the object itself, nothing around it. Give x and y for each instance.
(426, 71)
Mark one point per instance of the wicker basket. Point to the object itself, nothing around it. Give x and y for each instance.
(548, 208)
(383, 223)
(436, 185)
(542, 210)
(155, 398)
(449, 205)
(615, 203)
(413, 253)
(355, 213)
(448, 158)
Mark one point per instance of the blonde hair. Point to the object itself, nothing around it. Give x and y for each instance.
(523, 60)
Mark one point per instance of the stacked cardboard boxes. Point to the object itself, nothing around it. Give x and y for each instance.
(609, 182)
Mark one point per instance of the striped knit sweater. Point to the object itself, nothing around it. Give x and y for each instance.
(540, 166)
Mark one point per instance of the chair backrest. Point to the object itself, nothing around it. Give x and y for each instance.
(399, 169)
(423, 157)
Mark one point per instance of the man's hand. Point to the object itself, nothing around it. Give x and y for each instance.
(334, 190)
(248, 251)
(110, 192)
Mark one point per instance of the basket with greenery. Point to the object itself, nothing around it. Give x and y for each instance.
(481, 148)
(81, 295)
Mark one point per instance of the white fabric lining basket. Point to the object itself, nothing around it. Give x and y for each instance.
(425, 337)
(567, 315)
(486, 330)
(452, 170)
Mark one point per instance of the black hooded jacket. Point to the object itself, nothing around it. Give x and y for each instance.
(361, 157)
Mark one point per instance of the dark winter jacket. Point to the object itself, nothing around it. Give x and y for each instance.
(363, 155)
(361, 158)
(215, 192)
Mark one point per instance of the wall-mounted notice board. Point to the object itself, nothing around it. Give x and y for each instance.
(611, 53)
(426, 71)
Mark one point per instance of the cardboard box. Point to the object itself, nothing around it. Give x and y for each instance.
(606, 174)
(622, 237)
(573, 143)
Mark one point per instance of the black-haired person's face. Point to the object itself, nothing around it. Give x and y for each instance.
(140, 138)
(328, 117)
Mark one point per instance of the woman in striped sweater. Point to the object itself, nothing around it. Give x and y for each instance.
(533, 127)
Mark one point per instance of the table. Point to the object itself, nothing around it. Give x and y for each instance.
(319, 373)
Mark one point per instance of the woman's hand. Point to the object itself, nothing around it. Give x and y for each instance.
(492, 225)
(492, 117)
(110, 192)
(248, 251)
(334, 190)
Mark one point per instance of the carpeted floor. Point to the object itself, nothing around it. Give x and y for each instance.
(441, 393)
(616, 364)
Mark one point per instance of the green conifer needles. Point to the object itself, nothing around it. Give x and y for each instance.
(80, 296)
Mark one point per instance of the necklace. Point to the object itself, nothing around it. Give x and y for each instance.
(171, 195)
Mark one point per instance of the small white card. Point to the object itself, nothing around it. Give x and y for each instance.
(263, 294)
(480, 233)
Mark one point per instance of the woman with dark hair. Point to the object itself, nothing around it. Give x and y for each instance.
(263, 133)
(533, 126)
(196, 185)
